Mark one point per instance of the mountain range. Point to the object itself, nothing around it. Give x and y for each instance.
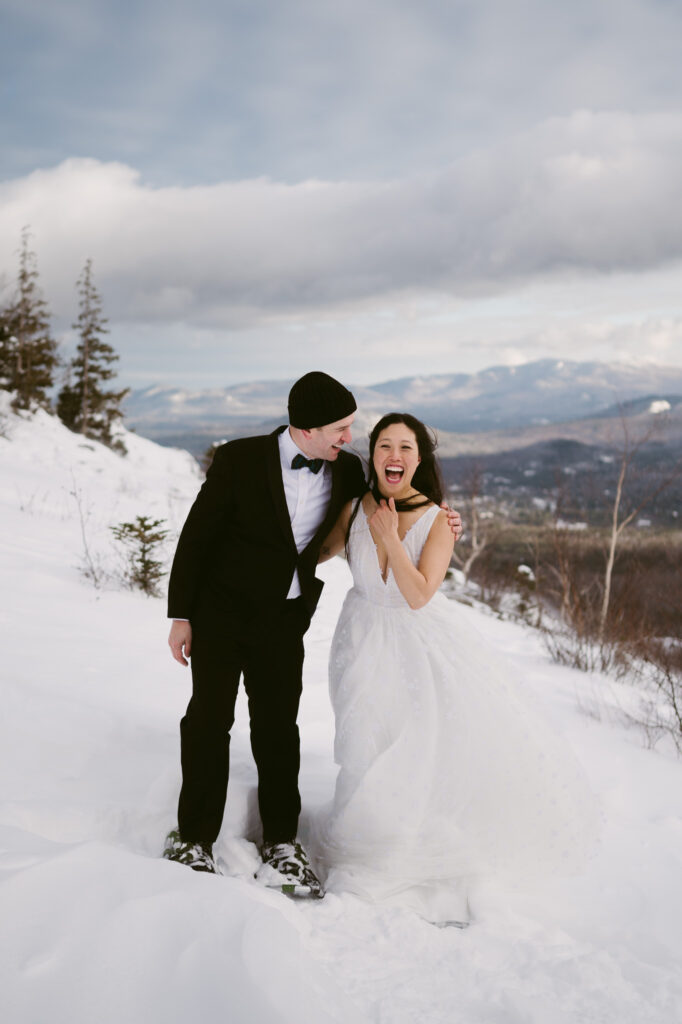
(492, 410)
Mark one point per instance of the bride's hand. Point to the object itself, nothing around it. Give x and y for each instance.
(384, 521)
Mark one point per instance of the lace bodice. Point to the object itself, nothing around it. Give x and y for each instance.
(364, 563)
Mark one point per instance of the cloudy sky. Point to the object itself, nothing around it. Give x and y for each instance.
(375, 189)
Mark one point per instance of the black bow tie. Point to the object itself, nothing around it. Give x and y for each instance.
(314, 465)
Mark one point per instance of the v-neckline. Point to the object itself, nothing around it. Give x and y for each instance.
(383, 579)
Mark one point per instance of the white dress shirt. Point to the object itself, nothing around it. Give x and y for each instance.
(307, 496)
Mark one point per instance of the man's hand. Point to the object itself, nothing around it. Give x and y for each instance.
(454, 520)
(180, 639)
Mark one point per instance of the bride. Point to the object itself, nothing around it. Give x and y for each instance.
(444, 773)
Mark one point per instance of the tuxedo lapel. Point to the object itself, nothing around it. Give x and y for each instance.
(274, 471)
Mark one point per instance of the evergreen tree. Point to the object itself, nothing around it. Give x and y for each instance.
(141, 540)
(82, 404)
(68, 403)
(28, 354)
(6, 346)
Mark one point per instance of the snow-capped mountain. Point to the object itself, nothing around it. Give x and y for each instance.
(499, 398)
(538, 393)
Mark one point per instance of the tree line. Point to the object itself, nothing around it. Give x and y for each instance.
(29, 359)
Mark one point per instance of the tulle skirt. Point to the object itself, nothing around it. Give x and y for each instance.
(445, 772)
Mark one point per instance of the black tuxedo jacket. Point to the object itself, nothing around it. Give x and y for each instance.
(236, 550)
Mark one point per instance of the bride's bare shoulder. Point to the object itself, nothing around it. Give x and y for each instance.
(423, 504)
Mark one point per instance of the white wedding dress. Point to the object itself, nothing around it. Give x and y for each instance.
(444, 773)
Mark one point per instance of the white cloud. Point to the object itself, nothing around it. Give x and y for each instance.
(592, 193)
(565, 240)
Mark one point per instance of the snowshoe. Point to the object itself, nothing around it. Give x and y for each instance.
(198, 856)
(286, 867)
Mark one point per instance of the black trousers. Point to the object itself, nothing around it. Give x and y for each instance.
(265, 645)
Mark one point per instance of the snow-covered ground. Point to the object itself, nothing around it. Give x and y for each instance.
(96, 929)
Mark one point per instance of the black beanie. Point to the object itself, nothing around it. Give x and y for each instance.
(317, 399)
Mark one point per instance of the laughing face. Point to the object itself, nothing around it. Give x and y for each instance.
(396, 457)
(326, 442)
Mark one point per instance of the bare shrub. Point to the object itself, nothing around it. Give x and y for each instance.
(622, 516)
(90, 566)
(482, 527)
(567, 647)
(660, 710)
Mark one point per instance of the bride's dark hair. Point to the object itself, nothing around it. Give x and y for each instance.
(427, 477)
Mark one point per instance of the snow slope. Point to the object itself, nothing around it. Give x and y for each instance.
(94, 927)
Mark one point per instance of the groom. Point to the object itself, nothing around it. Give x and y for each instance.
(242, 591)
